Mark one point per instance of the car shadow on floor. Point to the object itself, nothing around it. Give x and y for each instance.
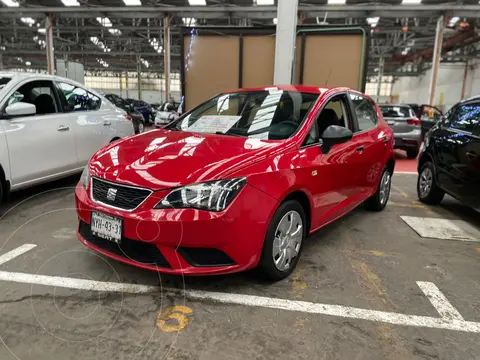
(39, 193)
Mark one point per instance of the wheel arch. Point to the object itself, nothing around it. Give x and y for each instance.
(304, 200)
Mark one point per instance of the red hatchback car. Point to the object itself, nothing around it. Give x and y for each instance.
(238, 182)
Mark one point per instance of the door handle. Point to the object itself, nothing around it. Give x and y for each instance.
(63, 128)
(107, 123)
(471, 155)
(360, 148)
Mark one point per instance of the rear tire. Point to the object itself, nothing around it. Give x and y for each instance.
(427, 189)
(287, 240)
(412, 154)
(379, 200)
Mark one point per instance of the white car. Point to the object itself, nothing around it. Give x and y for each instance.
(166, 114)
(50, 127)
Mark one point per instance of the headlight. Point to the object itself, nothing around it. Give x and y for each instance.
(85, 178)
(211, 196)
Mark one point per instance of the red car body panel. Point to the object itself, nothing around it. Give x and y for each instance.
(161, 160)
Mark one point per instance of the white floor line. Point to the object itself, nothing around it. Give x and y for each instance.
(250, 300)
(439, 301)
(79, 284)
(405, 173)
(15, 252)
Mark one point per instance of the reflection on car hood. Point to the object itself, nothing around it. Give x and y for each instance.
(163, 159)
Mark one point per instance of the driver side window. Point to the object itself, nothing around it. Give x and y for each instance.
(334, 113)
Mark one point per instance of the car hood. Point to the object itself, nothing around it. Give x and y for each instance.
(162, 159)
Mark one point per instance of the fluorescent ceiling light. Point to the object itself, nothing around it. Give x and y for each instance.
(197, 2)
(105, 21)
(264, 2)
(275, 21)
(373, 21)
(70, 3)
(28, 63)
(132, 2)
(145, 62)
(42, 30)
(115, 32)
(3, 48)
(189, 21)
(453, 21)
(28, 20)
(10, 3)
(337, 2)
(411, 1)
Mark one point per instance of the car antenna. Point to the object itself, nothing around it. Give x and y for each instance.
(328, 78)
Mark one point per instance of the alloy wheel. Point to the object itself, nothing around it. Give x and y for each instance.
(385, 184)
(426, 182)
(288, 240)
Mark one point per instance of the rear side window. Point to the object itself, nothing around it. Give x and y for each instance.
(466, 117)
(365, 110)
(79, 99)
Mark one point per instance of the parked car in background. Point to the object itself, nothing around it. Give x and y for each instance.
(406, 127)
(450, 159)
(238, 182)
(428, 115)
(166, 113)
(50, 127)
(145, 109)
(137, 119)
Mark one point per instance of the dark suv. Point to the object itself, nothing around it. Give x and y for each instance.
(450, 158)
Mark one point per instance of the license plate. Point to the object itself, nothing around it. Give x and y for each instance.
(391, 122)
(106, 227)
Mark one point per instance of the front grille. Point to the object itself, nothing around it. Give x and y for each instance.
(138, 251)
(199, 257)
(117, 195)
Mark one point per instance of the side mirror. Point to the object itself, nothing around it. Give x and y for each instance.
(334, 134)
(21, 109)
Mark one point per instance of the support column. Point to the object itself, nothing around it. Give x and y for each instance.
(49, 43)
(126, 84)
(437, 54)
(464, 83)
(1, 61)
(285, 41)
(139, 77)
(381, 66)
(166, 55)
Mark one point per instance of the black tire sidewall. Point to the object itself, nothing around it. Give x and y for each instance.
(267, 265)
(429, 165)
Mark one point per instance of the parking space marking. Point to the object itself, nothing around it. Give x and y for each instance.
(439, 301)
(450, 318)
(251, 300)
(78, 284)
(15, 252)
(178, 313)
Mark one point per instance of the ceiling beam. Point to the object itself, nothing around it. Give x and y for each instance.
(252, 12)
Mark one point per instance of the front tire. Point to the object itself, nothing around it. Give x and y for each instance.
(378, 201)
(284, 240)
(427, 189)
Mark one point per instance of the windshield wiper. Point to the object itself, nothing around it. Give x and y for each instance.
(228, 134)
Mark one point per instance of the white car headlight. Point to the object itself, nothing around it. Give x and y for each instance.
(85, 178)
(211, 196)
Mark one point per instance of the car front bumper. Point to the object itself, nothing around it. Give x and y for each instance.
(184, 241)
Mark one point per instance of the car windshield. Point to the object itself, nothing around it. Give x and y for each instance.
(266, 114)
(396, 111)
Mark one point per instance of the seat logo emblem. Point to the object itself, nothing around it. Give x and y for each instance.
(111, 194)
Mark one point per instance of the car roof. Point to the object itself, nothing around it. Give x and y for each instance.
(299, 88)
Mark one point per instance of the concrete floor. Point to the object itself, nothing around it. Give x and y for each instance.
(365, 260)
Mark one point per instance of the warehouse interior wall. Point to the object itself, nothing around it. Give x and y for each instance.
(415, 89)
(149, 96)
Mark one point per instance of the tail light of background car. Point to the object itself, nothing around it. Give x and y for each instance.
(128, 117)
(414, 122)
